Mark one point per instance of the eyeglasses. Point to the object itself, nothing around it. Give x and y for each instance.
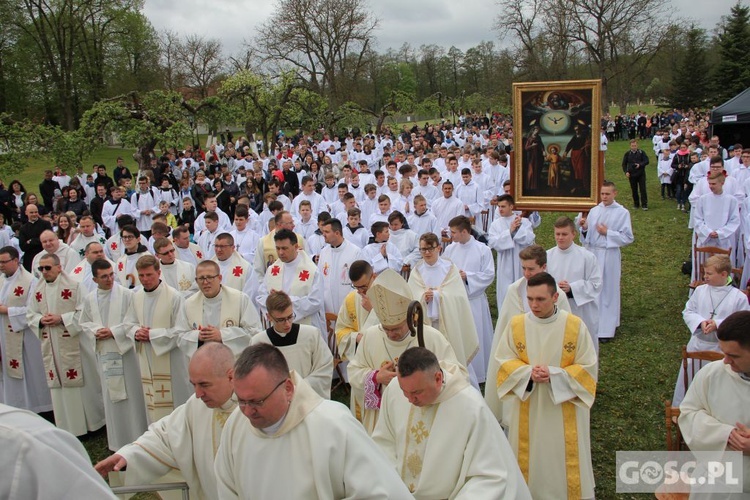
(167, 252)
(44, 268)
(6, 261)
(203, 279)
(360, 288)
(223, 246)
(127, 237)
(427, 249)
(287, 319)
(259, 402)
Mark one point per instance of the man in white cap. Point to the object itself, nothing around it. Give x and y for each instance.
(374, 364)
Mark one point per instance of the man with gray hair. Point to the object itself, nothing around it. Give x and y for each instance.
(296, 444)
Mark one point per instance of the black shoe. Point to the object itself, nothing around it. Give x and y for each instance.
(605, 340)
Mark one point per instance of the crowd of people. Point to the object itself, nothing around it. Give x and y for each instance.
(200, 307)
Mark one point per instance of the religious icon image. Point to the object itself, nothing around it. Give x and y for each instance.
(556, 163)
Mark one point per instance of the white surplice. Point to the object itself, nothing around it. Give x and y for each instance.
(507, 245)
(475, 259)
(124, 407)
(607, 251)
(333, 264)
(317, 452)
(180, 275)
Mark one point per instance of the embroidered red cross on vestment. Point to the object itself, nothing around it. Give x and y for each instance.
(120, 266)
(77, 270)
(18, 291)
(71, 374)
(66, 294)
(199, 254)
(304, 275)
(237, 271)
(38, 296)
(113, 246)
(13, 363)
(51, 375)
(275, 270)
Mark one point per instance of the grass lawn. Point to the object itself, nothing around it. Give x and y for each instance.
(638, 370)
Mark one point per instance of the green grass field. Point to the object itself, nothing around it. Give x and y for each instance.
(637, 371)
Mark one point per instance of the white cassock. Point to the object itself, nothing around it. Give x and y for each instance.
(352, 319)
(231, 311)
(22, 380)
(302, 281)
(717, 399)
(38, 458)
(707, 302)
(731, 187)
(472, 196)
(69, 359)
(449, 309)
(720, 213)
(68, 259)
(306, 353)
(78, 245)
(407, 242)
(206, 241)
(475, 259)
(607, 251)
(507, 245)
(445, 460)
(515, 303)
(236, 273)
(325, 454)
(187, 440)
(82, 274)
(374, 350)
(111, 211)
(124, 406)
(180, 275)
(358, 236)
(225, 225)
(164, 374)
(245, 242)
(192, 254)
(373, 254)
(745, 240)
(580, 269)
(549, 424)
(424, 223)
(114, 247)
(333, 265)
(445, 209)
(125, 271)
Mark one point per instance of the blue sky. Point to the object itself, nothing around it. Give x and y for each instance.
(462, 23)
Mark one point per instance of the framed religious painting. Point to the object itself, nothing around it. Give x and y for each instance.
(556, 161)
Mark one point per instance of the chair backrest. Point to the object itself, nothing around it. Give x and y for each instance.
(406, 271)
(693, 361)
(485, 214)
(700, 256)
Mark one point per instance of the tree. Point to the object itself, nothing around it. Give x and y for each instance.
(732, 75)
(200, 61)
(691, 81)
(325, 41)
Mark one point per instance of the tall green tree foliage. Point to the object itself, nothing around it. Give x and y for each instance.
(691, 81)
(732, 75)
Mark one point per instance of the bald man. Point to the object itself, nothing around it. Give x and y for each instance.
(187, 438)
(51, 244)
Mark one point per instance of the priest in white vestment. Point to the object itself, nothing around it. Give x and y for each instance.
(577, 273)
(151, 321)
(547, 381)
(285, 441)
(82, 272)
(52, 244)
(533, 261)
(508, 234)
(296, 274)
(459, 451)
(217, 314)
(23, 382)
(356, 314)
(86, 234)
(604, 231)
(334, 262)
(69, 359)
(714, 414)
(709, 305)
(235, 271)
(120, 373)
(303, 346)
(186, 251)
(477, 271)
(178, 274)
(374, 364)
(186, 440)
(133, 250)
(40, 460)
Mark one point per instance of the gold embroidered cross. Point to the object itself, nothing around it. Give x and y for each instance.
(420, 432)
(520, 346)
(570, 347)
(163, 391)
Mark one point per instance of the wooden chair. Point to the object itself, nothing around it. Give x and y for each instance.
(675, 442)
(445, 241)
(333, 346)
(700, 256)
(406, 271)
(485, 215)
(692, 361)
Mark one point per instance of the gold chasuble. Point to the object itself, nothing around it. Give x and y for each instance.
(549, 422)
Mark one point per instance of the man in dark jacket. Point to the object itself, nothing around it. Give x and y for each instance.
(634, 165)
(28, 236)
(47, 190)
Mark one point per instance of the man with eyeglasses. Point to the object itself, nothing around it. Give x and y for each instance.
(185, 441)
(295, 445)
(22, 368)
(374, 364)
(178, 274)
(69, 360)
(235, 271)
(82, 272)
(355, 315)
(303, 346)
(217, 314)
(334, 261)
(133, 249)
(102, 315)
(151, 320)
